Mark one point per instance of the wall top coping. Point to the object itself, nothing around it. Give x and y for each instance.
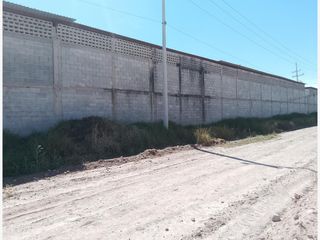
(31, 12)
(313, 88)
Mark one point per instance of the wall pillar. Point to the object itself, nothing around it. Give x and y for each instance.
(221, 93)
(287, 101)
(261, 103)
(308, 102)
(180, 91)
(151, 90)
(202, 90)
(271, 98)
(57, 81)
(237, 101)
(250, 98)
(113, 80)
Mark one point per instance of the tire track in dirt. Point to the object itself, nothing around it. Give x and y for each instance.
(141, 176)
(257, 200)
(141, 199)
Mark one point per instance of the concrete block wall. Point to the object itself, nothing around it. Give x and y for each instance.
(173, 78)
(85, 67)
(311, 99)
(27, 60)
(82, 102)
(28, 95)
(191, 113)
(132, 107)
(73, 72)
(28, 109)
(131, 73)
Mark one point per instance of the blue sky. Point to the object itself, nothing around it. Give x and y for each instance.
(268, 35)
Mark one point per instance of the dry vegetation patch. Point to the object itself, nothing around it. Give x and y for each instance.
(76, 142)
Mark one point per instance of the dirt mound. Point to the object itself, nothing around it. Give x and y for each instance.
(149, 153)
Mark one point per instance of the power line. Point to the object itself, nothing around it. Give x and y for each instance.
(137, 16)
(209, 45)
(121, 11)
(260, 36)
(240, 33)
(169, 25)
(297, 73)
(263, 31)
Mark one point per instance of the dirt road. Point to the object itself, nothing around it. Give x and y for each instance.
(211, 193)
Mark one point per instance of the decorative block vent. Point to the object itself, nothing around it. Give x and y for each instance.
(191, 63)
(26, 25)
(83, 37)
(132, 48)
(211, 68)
(171, 58)
(157, 56)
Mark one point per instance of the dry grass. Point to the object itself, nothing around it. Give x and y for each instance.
(8, 192)
(78, 141)
(259, 138)
(205, 137)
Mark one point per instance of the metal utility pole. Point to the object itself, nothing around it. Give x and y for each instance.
(297, 73)
(164, 60)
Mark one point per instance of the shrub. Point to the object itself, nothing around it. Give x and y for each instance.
(223, 132)
(203, 136)
(88, 139)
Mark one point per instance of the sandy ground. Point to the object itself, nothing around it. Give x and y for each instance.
(206, 193)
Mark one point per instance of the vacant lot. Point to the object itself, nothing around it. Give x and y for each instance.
(207, 193)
